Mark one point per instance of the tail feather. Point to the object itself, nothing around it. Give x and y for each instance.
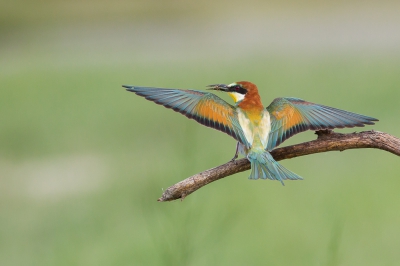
(263, 166)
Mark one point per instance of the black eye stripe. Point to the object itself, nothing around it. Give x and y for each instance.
(238, 89)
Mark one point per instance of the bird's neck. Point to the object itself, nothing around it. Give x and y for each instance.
(251, 103)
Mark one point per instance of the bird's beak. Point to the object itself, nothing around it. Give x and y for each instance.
(218, 87)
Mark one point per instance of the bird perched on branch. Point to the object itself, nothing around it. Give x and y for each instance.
(257, 129)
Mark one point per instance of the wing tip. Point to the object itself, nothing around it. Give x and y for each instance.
(369, 121)
(129, 87)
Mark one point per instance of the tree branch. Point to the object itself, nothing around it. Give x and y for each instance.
(327, 141)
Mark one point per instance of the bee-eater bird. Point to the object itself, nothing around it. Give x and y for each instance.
(258, 130)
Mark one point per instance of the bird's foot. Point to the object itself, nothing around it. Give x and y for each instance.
(236, 154)
(233, 160)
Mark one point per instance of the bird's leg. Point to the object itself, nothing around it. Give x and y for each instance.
(236, 153)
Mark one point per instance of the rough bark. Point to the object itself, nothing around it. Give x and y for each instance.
(327, 141)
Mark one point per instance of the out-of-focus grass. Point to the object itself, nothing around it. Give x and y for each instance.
(82, 161)
(344, 211)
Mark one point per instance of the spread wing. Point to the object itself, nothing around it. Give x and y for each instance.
(206, 108)
(290, 116)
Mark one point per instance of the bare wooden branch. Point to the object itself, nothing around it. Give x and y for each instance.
(327, 141)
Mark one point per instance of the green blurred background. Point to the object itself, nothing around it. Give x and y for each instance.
(82, 161)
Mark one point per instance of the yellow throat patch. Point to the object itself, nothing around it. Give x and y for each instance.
(237, 97)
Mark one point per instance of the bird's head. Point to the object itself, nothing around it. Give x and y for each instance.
(237, 90)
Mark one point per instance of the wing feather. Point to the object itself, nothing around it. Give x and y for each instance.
(204, 107)
(290, 116)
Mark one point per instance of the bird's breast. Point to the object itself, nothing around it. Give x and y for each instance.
(256, 127)
(265, 128)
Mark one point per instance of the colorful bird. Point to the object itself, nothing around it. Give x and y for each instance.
(257, 129)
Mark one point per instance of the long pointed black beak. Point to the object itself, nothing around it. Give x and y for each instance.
(218, 87)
